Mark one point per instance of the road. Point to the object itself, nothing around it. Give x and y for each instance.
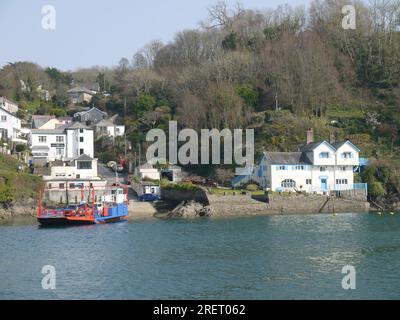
(109, 174)
(137, 209)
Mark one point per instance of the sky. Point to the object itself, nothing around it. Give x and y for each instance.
(98, 32)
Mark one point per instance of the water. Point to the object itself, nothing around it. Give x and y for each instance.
(291, 257)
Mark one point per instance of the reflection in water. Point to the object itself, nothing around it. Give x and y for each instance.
(279, 257)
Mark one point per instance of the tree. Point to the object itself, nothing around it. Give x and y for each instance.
(144, 103)
(249, 95)
(230, 41)
(123, 65)
(376, 189)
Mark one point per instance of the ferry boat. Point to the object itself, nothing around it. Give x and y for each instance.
(111, 208)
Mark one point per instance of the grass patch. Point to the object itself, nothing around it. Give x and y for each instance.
(182, 186)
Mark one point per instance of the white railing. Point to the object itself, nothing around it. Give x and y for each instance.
(329, 188)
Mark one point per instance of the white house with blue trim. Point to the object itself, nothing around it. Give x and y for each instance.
(318, 167)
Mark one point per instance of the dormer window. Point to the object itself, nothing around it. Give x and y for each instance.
(347, 155)
(324, 155)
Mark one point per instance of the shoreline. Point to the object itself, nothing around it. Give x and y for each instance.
(164, 216)
(161, 210)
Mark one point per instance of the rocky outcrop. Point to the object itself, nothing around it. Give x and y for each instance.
(25, 208)
(191, 209)
(176, 197)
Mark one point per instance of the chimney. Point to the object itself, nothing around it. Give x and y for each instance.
(310, 136)
(332, 137)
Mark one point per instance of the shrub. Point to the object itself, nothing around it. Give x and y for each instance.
(20, 147)
(252, 187)
(376, 189)
(6, 195)
(183, 186)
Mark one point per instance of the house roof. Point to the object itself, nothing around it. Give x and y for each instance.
(40, 120)
(48, 131)
(314, 145)
(105, 123)
(338, 145)
(80, 90)
(285, 158)
(61, 129)
(76, 125)
(2, 99)
(84, 157)
(65, 118)
(90, 110)
(8, 112)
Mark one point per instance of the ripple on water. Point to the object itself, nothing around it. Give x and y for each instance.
(246, 258)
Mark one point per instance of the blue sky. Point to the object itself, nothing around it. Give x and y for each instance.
(94, 32)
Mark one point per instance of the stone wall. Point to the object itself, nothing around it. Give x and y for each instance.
(284, 204)
(308, 203)
(177, 196)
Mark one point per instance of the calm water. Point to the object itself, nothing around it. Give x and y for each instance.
(246, 258)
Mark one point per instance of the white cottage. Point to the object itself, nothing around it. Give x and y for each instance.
(10, 125)
(317, 167)
(68, 141)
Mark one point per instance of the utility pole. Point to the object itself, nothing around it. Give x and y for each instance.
(125, 127)
(139, 154)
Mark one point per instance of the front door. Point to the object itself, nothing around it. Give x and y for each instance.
(324, 184)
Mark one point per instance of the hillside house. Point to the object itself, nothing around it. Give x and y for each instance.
(65, 142)
(108, 128)
(8, 105)
(10, 125)
(91, 116)
(80, 94)
(317, 167)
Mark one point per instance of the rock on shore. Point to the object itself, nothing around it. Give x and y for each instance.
(191, 209)
(25, 208)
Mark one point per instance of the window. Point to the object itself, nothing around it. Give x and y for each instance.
(42, 139)
(281, 168)
(288, 183)
(324, 155)
(84, 165)
(60, 139)
(49, 186)
(322, 169)
(308, 181)
(3, 118)
(347, 155)
(342, 181)
(61, 186)
(81, 139)
(299, 168)
(81, 130)
(72, 185)
(60, 151)
(343, 168)
(117, 130)
(81, 151)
